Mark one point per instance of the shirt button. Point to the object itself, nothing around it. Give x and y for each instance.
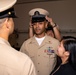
(38, 55)
(38, 71)
(38, 63)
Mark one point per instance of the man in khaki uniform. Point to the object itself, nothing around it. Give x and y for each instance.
(41, 48)
(12, 62)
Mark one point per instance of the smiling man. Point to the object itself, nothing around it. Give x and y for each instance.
(41, 48)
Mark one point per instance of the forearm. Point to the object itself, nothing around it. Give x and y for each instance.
(31, 32)
(57, 33)
(55, 28)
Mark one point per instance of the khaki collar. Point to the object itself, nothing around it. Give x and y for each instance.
(3, 41)
(46, 40)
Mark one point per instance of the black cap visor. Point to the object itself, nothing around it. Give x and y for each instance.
(8, 13)
(38, 18)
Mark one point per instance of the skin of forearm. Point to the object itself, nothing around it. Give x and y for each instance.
(31, 32)
(57, 33)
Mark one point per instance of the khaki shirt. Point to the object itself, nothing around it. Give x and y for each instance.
(13, 62)
(43, 56)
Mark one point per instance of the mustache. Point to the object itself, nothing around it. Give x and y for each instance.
(37, 28)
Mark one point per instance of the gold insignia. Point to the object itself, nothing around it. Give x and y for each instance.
(9, 13)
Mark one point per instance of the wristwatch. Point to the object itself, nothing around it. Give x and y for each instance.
(54, 25)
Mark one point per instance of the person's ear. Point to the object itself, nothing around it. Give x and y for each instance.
(67, 53)
(7, 22)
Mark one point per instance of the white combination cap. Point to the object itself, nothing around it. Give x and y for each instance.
(40, 10)
(6, 4)
(6, 8)
(38, 14)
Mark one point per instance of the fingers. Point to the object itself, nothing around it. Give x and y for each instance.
(49, 19)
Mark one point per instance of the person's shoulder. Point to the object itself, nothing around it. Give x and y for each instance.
(69, 69)
(52, 39)
(29, 40)
(22, 57)
(12, 52)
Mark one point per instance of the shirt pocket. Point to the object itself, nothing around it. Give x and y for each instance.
(51, 55)
(49, 60)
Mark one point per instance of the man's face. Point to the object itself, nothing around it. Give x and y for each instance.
(39, 27)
